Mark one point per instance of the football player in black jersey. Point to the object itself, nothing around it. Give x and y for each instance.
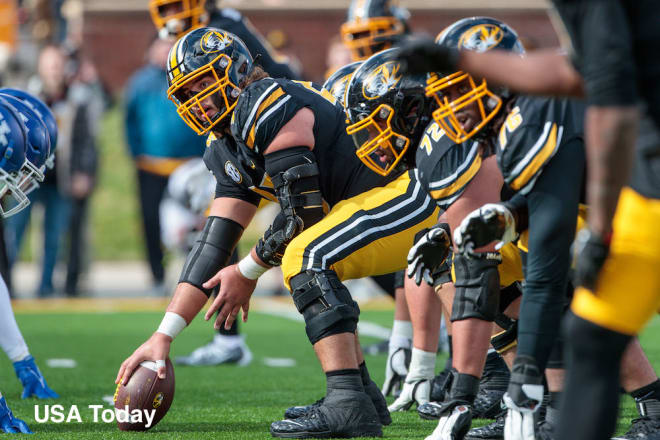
(380, 103)
(613, 48)
(174, 18)
(286, 141)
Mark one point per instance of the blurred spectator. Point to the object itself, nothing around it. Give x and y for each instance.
(338, 55)
(159, 142)
(71, 181)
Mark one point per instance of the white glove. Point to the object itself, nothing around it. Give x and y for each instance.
(417, 391)
(396, 369)
(428, 253)
(491, 222)
(520, 423)
(454, 424)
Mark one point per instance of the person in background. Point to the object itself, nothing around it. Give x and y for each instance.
(74, 173)
(158, 142)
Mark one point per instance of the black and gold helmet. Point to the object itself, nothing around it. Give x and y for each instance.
(173, 18)
(372, 26)
(337, 82)
(386, 111)
(479, 34)
(213, 53)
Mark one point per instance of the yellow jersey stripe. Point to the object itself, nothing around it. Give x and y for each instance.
(264, 105)
(535, 164)
(459, 183)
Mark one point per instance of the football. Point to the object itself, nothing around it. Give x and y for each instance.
(145, 399)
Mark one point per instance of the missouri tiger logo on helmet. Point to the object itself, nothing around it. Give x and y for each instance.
(372, 26)
(382, 79)
(455, 94)
(207, 63)
(337, 83)
(386, 111)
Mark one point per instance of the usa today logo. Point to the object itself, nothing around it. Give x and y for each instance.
(95, 413)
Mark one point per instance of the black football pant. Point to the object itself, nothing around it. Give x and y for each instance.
(553, 209)
(151, 189)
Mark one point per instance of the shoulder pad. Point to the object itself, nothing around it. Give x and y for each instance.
(210, 138)
(255, 105)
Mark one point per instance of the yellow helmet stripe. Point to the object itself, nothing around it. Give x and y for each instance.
(173, 60)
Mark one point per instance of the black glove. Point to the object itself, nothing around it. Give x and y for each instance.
(591, 251)
(270, 248)
(429, 252)
(420, 56)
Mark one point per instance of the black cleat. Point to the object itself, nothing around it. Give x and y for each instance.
(295, 412)
(642, 428)
(492, 386)
(377, 398)
(343, 413)
(440, 385)
(430, 410)
(545, 431)
(492, 431)
(372, 391)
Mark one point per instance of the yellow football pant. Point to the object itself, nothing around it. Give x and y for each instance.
(369, 234)
(628, 291)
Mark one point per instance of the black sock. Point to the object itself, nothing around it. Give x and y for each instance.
(347, 379)
(364, 373)
(648, 399)
(552, 410)
(233, 331)
(451, 352)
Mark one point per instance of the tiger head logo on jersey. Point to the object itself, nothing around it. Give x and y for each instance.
(466, 105)
(372, 26)
(204, 71)
(386, 111)
(381, 80)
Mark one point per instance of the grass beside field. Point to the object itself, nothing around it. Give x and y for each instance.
(211, 402)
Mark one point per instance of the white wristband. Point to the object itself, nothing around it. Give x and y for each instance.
(250, 269)
(172, 324)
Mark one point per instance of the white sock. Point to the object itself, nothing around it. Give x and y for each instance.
(422, 365)
(402, 333)
(229, 341)
(11, 339)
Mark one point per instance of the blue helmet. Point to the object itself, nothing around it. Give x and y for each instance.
(37, 147)
(44, 112)
(13, 137)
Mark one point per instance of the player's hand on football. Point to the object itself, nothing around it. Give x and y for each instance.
(156, 348)
(418, 56)
(491, 222)
(234, 295)
(428, 253)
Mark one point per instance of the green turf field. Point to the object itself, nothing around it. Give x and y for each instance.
(210, 402)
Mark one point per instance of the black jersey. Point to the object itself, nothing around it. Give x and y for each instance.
(614, 45)
(443, 167)
(236, 175)
(532, 133)
(263, 108)
(231, 20)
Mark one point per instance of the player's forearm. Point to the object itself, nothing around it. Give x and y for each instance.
(188, 300)
(610, 141)
(544, 72)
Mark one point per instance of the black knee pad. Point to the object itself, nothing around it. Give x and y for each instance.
(508, 338)
(509, 294)
(477, 288)
(325, 303)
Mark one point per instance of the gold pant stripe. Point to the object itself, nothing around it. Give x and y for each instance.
(628, 291)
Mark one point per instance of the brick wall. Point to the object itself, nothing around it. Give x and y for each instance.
(117, 41)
